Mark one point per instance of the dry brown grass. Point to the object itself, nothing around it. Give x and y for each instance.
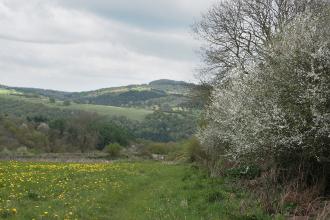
(293, 198)
(324, 213)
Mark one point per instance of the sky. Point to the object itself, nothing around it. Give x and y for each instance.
(79, 45)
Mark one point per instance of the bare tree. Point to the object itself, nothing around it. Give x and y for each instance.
(238, 33)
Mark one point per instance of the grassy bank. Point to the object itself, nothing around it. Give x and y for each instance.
(118, 191)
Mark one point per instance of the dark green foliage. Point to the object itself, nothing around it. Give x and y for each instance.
(246, 172)
(165, 127)
(215, 197)
(125, 98)
(58, 124)
(37, 118)
(109, 132)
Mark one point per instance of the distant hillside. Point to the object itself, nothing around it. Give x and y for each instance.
(162, 94)
(129, 108)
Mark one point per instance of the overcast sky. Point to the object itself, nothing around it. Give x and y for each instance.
(76, 45)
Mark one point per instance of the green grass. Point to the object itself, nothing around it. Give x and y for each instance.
(122, 190)
(130, 113)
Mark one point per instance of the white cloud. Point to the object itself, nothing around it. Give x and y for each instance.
(57, 45)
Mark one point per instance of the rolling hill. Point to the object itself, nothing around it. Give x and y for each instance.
(160, 94)
(127, 108)
(134, 102)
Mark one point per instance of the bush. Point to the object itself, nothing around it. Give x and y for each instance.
(22, 151)
(6, 153)
(193, 150)
(160, 148)
(113, 149)
(278, 114)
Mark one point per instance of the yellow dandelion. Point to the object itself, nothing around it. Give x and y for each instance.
(14, 211)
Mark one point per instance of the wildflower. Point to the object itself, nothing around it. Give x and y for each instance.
(14, 211)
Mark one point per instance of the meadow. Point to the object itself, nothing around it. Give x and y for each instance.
(118, 190)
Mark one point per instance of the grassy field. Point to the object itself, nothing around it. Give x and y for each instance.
(119, 190)
(130, 113)
(7, 92)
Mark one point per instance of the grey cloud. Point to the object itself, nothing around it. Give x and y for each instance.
(71, 45)
(147, 13)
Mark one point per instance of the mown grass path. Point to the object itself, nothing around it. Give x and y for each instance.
(118, 191)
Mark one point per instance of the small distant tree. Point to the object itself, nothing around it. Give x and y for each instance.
(81, 132)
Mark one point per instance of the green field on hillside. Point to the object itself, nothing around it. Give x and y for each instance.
(7, 91)
(118, 190)
(130, 113)
(4, 91)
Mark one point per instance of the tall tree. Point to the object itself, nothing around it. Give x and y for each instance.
(238, 33)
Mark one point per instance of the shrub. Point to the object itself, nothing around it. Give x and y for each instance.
(22, 151)
(160, 148)
(113, 149)
(193, 150)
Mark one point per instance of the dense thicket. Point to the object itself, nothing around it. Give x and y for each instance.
(79, 133)
(270, 106)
